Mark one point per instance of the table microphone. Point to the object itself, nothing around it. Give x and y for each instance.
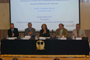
(52, 32)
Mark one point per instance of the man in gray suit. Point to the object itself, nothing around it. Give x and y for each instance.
(30, 31)
(78, 32)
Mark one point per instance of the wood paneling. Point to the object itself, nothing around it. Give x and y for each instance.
(4, 1)
(3, 34)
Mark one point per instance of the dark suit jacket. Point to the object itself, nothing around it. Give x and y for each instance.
(16, 34)
(47, 34)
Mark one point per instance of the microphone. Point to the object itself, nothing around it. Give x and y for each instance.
(52, 32)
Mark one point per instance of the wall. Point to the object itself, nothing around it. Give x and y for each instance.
(85, 15)
(4, 16)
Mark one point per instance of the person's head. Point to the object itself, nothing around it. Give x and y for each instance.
(77, 26)
(61, 26)
(44, 26)
(29, 25)
(12, 26)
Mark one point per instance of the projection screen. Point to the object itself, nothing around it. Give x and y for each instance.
(50, 12)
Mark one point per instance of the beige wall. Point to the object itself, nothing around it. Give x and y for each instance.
(84, 14)
(4, 16)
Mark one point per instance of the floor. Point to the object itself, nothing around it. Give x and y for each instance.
(10, 58)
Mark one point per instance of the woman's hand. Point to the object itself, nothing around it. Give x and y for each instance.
(44, 31)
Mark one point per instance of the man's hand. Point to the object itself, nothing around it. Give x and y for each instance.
(81, 37)
(61, 36)
(12, 34)
(30, 33)
(74, 36)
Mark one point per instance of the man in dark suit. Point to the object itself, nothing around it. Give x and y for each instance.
(30, 31)
(13, 32)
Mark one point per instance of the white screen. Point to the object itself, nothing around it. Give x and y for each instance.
(50, 12)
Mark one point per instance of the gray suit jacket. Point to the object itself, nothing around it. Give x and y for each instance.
(81, 33)
(27, 31)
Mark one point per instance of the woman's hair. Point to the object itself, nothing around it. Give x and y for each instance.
(45, 26)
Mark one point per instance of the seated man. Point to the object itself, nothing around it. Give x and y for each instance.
(61, 31)
(29, 31)
(78, 32)
(13, 32)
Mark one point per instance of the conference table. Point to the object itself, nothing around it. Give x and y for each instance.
(50, 46)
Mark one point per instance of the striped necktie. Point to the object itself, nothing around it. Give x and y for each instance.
(77, 33)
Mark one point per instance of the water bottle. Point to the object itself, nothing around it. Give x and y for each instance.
(73, 37)
(21, 36)
(7, 36)
(36, 38)
(59, 37)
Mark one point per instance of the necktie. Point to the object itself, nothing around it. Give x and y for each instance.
(77, 33)
(12, 31)
(29, 30)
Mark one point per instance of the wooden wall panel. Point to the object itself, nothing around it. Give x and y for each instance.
(3, 34)
(4, 1)
(87, 32)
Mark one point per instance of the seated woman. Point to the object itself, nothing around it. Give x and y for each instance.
(44, 32)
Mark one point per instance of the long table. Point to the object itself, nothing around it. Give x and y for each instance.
(52, 47)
